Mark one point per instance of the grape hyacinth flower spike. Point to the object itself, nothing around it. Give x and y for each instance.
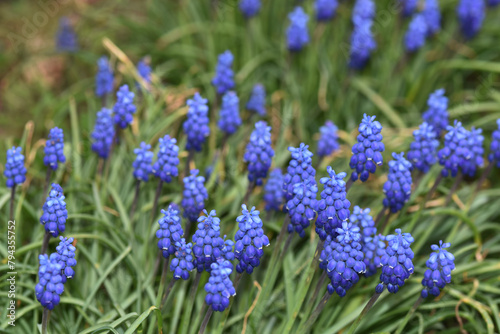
(441, 264)
(475, 152)
(302, 207)
(144, 70)
(493, 3)
(169, 232)
(50, 286)
(54, 149)
(328, 141)
(416, 34)
(196, 125)
(423, 149)
(249, 8)
(223, 80)
(194, 196)
(66, 40)
(15, 172)
(104, 78)
(103, 134)
(142, 168)
(273, 190)
(66, 257)
(494, 156)
(297, 33)
(437, 113)
(124, 107)
(432, 16)
(54, 215)
(452, 155)
(257, 101)
(325, 9)
(259, 153)
(182, 263)
(362, 45)
(229, 119)
(471, 14)
(397, 188)
(409, 7)
(299, 169)
(363, 11)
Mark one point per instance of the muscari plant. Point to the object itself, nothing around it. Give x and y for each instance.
(196, 126)
(416, 33)
(144, 70)
(258, 155)
(15, 172)
(66, 39)
(223, 81)
(54, 153)
(362, 40)
(297, 34)
(437, 113)
(124, 108)
(54, 215)
(409, 7)
(432, 16)
(229, 117)
(273, 191)
(471, 14)
(328, 140)
(103, 79)
(142, 166)
(249, 8)
(423, 150)
(193, 196)
(299, 169)
(325, 9)
(257, 100)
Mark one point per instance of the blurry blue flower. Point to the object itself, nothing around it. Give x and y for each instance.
(224, 75)
(219, 286)
(362, 45)
(104, 77)
(54, 211)
(66, 257)
(169, 232)
(49, 287)
(297, 34)
(250, 239)
(54, 149)
(364, 10)
(471, 14)
(325, 9)
(397, 265)
(15, 172)
(229, 119)
(144, 70)
(182, 263)
(249, 8)
(66, 37)
(374, 249)
(273, 190)
(494, 155)
(302, 207)
(437, 114)
(367, 152)
(416, 34)
(142, 163)
(397, 188)
(167, 159)
(440, 265)
(103, 134)
(409, 6)
(423, 149)
(475, 152)
(432, 15)
(124, 107)
(333, 207)
(259, 153)
(196, 125)
(362, 218)
(493, 3)
(328, 141)
(257, 101)
(194, 195)
(299, 169)
(452, 155)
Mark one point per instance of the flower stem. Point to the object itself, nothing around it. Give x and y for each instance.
(136, 198)
(45, 320)
(433, 189)
(454, 187)
(251, 186)
(162, 280)
(157, 196)
(348, 185)
(205, 321)
(167, 292)
(380, 216)
(360, 317)
(318, 287)
(12, 198)
(45, 243)
(408, 315)
(222, 323)
(287, 245)
(315, 314)
(186, 317)
(484, 176)
(187, 167)
(386, 221)
(47, 182)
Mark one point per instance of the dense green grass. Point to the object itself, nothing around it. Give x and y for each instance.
(113, 289)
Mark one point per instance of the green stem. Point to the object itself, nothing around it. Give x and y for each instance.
(45, 320)
(167, 292)
(408, 315)
(157, 196)
(136, 199)
(454, 187)
(367, 308)
(186, 317)
(45, 243)
(162, 282)
(317, 311)
(205, 320)
(12, 198)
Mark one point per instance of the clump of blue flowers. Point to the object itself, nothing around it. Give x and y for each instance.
(103, 134)
(328, 141)
(423, 149)
(432, 16)
(54, 211)
(144, 70)
(249, 8)
(362, 217)
(219, 287)
(142, 163)
(325, 9)
(373, 245)
(54, 149)
(167, 159)
(409, 6)
(49, 287)
(416, 34)
(299, 169)
(494, 156)
(259, 153)
(66, 257)
(273, 190)
(170, 231)
(297, 33)
(229, 120)
(452, 155)
(441, 263)
(15, 172)
(364, 10)
(397, 188)
(471, 14)
(362, 45)
(367, 152)
(250, 239)
(66, 37)
(196, 125)
(437, 113)
(475, 152)
(257, 101)
(104, 77)
(302, 207)
(224, 75)
(194, 195)
(182, 263)
(124, 107)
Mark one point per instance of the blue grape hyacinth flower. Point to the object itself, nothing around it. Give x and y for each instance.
(493, 3)
(302, 207)
(144, 70)
(397, 188)
(297, 34)
(471, 14)
(194, 195)
(299, 169)
(196, 125)
(167, 159)
(423, 149)
(50, 286)
(229, 119)
(494, 156)
(124, 107)
(416, 34)
(142, 163)
(182, 263)
(219, 287)
(224, 75)
(103, 134)
(374, 249)
(14, 171)
(104, 77)
(397, 265)
(333, 207)
(257, 101)
(54, 149)
(441, 263)
(362, 218)
(328, 140)
(259, 153)
(325, 9)
(367, 152)
(250, 239)
(363, 11)
(409, 6)
(437, 113)
(432, 15)
(66, 257)
(452, 155)
(249, 8)
(475, 152)
(54, 211)
(273, 190)
(170, 231)
(362, 45)
(66, 40)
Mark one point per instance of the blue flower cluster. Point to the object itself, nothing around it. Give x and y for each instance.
(325, 9)
(297, 33)
(54, 149)
(493, 3)
(170, 231)
(397, 188)
(452, 155)
(362, 40)
(250, 8)
(373, 245)
(328, 140)
(367, 152)
(397, 265)
(49, 287)
(475, 152)
(66, 37)
(494, 156)
(250, 239)
(182, 263)
(437, 113)
(196, 125)
(333, 207)
(302, 207)
(144, 70)
(15, 172)
(142, 163)
(219, 286)
(417, 33)
(104, 77)
(423, 149)
(224, 75)
(362, 217)
(167, 159)
(54, 211)
(66, 257)
(440, 265)
(273, 190)
(194, 195)
(103, 134)
(257, 101)
(364, 10)
(259, 153)
(299, 169)
(409, 6)
(471, 14)
(432, 15)
(124, 107)
(229, 120)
